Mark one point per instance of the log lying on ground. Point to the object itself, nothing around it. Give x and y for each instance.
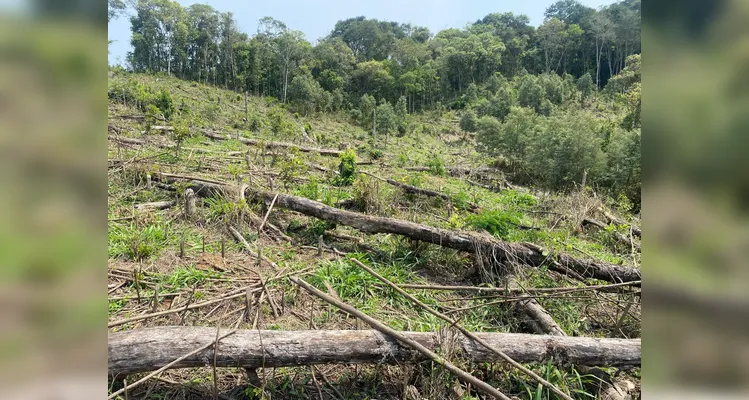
(458, 171)
(612, 219)
(621, 238)
(127, 140)
(497, 251)
(424, 192)
(157, 205)
(270, 144)
(147, 349)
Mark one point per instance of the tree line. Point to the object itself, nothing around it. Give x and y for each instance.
(560, 103)
(381, 58)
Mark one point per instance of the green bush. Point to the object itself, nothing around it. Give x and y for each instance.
(163, 100)
(307, 128)
(347, 168)
(376, 154)
(436, 165)
(497, 223)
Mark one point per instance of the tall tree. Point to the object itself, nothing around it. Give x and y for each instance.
(603, 31)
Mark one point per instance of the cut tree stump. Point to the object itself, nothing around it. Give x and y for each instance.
(147, 349)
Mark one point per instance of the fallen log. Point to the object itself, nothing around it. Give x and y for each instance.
(271, 144)
(462, 375)
(147, 349)
(424, 192)
(614, 220)
(157, 205)
(458, 171)
(619, 237)
(495, 250)
(127, 140)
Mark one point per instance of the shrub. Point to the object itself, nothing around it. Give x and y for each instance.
(375, 154)
(497, 223)
(347, 168)
(468, 121)
(436, 165)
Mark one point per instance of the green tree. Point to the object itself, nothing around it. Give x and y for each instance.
(585, 85)
(530, 93)
(305, 94)
(115, 8)
(468, 121)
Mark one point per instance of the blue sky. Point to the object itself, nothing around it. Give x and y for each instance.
(317, 18)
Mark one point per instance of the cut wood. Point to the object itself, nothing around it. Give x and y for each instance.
(539, 319)
(147, 349)
(127, 140)
(424, 192)
(157, 205)
(498, 251)
(271, 144)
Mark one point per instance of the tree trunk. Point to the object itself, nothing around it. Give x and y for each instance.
(253, 142)
(147, 349)
(498, 251)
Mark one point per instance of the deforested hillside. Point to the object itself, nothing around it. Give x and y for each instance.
(325, 225)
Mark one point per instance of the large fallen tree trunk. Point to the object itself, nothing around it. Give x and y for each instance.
(494, 250)
(148, 349)
(270, 144)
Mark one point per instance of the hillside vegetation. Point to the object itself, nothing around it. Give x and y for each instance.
(240, 165)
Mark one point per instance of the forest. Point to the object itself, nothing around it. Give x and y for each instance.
(554, 103)
(384, 213)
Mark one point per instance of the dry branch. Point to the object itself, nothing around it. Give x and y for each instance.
(146, 349)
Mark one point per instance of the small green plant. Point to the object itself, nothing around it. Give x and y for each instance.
(153, 114)
(402, 159)
(256, 123)
(375, 154)
(497, 223)
(436, 165)
(347, 168)
(307, 128)
(188, 277)
(291, 166)
(163, 100)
